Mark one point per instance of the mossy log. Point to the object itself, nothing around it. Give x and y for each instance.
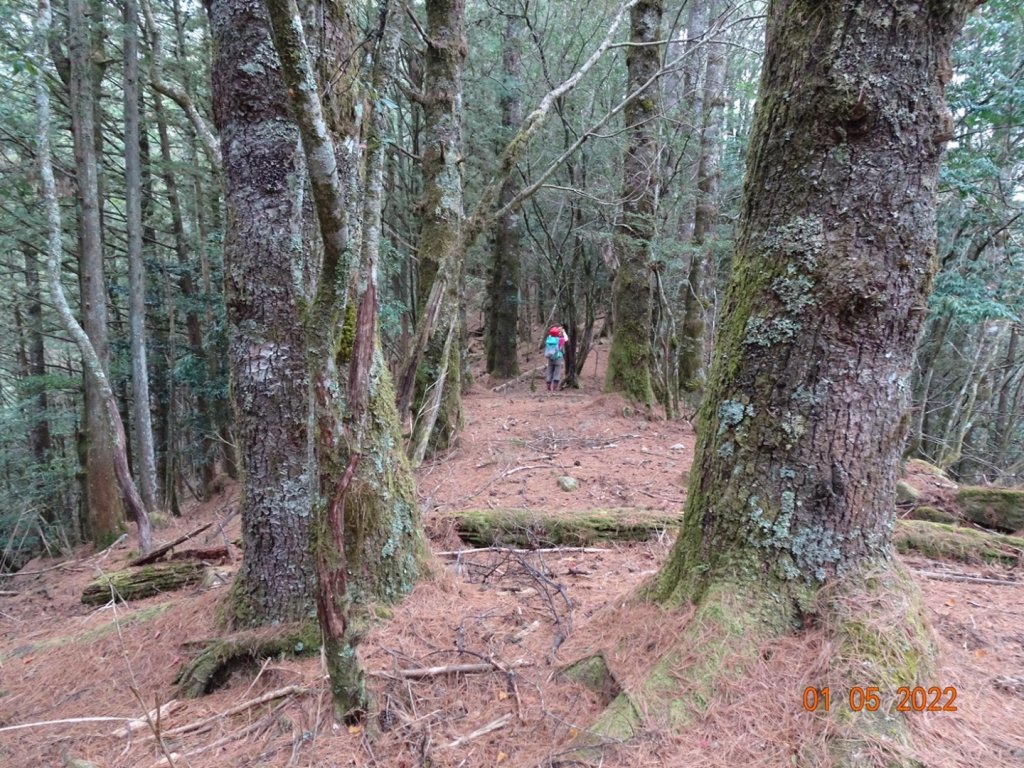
(963, 545)
(137, 583)
(932, 515)
(999, 508)
(240, 652)
(528, 528)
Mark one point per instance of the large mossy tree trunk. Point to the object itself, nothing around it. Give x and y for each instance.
(266, 347)
(369, 541)
(805, 414)
(631, 357)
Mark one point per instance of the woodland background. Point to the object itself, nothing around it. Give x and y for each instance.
(968, 383)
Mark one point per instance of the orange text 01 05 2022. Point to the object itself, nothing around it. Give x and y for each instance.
(869, 698)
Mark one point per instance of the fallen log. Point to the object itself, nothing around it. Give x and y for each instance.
(958, 544)
(137, 583)
(534, 529)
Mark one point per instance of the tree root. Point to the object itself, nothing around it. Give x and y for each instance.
(221, 657)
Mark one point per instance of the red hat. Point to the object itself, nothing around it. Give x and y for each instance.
(554, 330)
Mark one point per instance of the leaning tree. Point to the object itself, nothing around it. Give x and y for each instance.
(805, 414)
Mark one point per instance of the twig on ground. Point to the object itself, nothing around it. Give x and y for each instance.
(461, 552)
(154, 715)
(449, 669)
(519, 378)
(962, 577)
(159, 552)
(234, 736)
(290, 690)
(501, 722)
(492, 481)
(66, 721)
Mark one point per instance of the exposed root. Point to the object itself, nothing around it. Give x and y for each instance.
(240, 652)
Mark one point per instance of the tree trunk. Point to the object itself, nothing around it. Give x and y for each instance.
(39, 431)
(104, 516)
(433, 367)
(819, 282)
(266, 345)
(144, 451)
(802, 425)
(186, 281)
(691, 358)
(365, 499)
(504, 293)
(92, 364)
(631, 358)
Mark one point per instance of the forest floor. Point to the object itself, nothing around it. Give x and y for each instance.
(522, 616)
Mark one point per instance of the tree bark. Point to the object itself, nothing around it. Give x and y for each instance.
(186, 279)
(39, 432)
(266, 343)
(144, 451)
(365, 499)
(630, 358)
(801, 429)
(831, 273)
(430, 384)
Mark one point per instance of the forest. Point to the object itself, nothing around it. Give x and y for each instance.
(286, 477)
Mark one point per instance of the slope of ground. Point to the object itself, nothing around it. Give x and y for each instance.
(518, 616)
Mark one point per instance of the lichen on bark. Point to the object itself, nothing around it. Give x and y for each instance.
(802, 426)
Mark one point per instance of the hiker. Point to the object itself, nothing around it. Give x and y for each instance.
(554, 351)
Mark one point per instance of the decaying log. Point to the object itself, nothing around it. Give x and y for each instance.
(137, 583)
(530, 528)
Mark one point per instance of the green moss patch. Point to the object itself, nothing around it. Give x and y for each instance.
(999, 508)
(593, 673)
(962, 545)
(528, 528)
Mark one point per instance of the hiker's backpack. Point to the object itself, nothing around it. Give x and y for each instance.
(552, 348)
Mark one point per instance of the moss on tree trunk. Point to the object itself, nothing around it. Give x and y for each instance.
(631, 357)
(801, 429)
